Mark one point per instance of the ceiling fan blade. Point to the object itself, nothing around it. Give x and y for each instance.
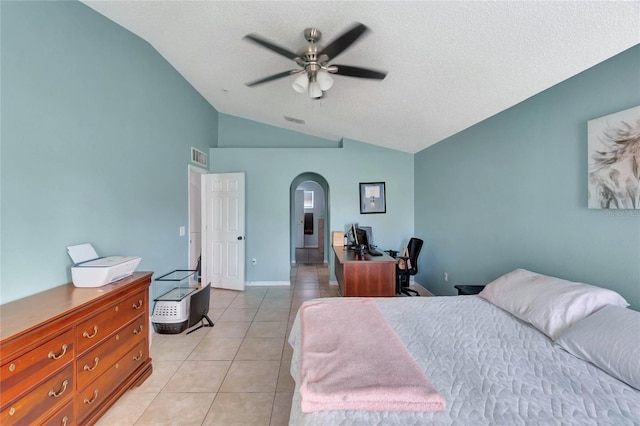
(345, 40)
(273, 77)
(359, 72)
(273, 47)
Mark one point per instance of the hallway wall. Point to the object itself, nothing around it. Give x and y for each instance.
(317, 211)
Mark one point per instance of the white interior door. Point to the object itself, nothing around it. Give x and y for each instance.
(223, 244)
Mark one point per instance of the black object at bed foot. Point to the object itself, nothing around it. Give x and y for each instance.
(202, 324)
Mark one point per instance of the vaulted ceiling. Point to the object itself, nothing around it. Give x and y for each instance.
(450, 64)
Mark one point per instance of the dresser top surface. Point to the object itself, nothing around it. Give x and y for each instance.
(28, 312)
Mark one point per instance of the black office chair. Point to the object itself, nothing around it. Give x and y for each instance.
(403, 274)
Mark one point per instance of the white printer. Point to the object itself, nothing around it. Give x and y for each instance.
(91, 270)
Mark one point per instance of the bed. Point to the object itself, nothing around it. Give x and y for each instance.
(493, 368)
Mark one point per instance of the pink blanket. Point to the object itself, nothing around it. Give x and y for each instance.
(351, 359)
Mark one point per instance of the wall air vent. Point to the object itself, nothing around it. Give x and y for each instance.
(294, 120)
(199, 157)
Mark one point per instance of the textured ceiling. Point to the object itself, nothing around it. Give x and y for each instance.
(450, 64)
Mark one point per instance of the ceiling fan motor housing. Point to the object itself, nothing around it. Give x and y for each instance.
(312, 35)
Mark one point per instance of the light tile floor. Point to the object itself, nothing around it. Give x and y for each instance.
(309, 255)
(236, 373)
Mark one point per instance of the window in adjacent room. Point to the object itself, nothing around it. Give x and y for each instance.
(308, 199)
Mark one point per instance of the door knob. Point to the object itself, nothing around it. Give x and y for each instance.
(239, 238)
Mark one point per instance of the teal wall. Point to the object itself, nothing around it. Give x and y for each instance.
(511, 192)
(270, 173)
(96, 136)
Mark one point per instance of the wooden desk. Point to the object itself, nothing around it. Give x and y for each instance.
(364, 275)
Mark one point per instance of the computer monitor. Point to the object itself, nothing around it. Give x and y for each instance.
(369, 233)
(354, 234)
(362, 238)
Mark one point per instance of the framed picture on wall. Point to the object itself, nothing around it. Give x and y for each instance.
(613, 145)
(372, 198)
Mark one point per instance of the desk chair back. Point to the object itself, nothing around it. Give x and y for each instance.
(414, 247)
(409, 267)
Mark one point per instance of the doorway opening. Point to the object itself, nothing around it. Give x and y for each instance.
(309, 218)
(195, 218)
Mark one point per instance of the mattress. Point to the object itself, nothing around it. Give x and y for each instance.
(490, 367)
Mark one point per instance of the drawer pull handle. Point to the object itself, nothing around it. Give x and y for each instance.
(138, 330)
(87, 368)
(65, 419)
(12, 367)
(57, 394)
(91, 336)
(12, 411)
(54, 356)
(90, 401)
(138, 306)
(139, 357)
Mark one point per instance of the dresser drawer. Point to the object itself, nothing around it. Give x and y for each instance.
(20, 374)
(101, 325)
(63, 417)
(55, 391)
(95, 362)
(91, 397)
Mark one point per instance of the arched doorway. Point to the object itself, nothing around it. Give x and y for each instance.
(309, 227)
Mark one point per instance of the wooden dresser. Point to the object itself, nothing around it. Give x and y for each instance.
(67, 354)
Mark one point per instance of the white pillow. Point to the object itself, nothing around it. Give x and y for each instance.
(609, 339)
(549, 304)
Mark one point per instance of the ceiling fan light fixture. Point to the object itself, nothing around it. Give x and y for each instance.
(314, 90)
(324, 80)
(301, 83)
(313, 61)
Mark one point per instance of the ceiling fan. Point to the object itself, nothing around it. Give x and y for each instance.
(313, 61)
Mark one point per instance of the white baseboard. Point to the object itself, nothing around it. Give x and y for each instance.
(266, 283)
(333, 282)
